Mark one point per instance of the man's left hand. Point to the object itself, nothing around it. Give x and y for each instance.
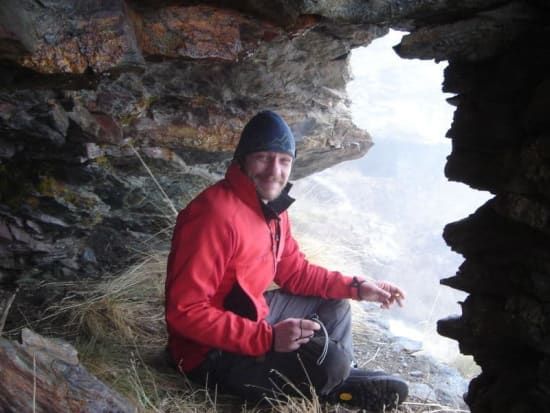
(382, 292)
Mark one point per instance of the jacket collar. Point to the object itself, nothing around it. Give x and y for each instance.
(274, 208)
(246, 191)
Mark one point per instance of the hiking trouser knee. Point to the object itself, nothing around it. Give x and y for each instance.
(334, 314)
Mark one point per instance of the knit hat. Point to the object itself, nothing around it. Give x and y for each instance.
(266, 131)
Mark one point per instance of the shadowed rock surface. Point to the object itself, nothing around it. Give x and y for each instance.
(97, 97)
(44, 375)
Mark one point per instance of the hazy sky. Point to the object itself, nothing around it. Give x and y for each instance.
(398, 98)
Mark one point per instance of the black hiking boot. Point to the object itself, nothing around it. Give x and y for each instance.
(370, 390)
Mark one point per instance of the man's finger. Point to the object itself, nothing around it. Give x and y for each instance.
(399, 296)
(303, 340)
(310, 325)
(383, 294)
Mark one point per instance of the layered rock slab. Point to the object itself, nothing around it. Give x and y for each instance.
(44, 375)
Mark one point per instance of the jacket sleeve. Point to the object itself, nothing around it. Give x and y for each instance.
(298, 276)
(202, 246)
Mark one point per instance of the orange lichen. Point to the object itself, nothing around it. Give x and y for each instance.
(197, 32)
(101, 43)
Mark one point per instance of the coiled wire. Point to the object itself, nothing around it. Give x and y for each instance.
(315, 317)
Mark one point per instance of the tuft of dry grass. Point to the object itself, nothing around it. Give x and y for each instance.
(126, 308)
(117, 325)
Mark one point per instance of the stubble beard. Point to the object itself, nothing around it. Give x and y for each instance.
(271, 194)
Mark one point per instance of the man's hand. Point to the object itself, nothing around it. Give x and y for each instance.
(291, 333)
(382, 292)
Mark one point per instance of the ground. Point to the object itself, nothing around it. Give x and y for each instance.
(433, 385)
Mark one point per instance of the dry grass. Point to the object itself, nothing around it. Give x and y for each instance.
(117, 325)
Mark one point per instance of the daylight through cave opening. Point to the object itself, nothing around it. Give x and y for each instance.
(396, 197)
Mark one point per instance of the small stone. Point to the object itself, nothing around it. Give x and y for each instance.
(406, 344)
(5, 231)
(7, 150)
(50, 39)
(88, 256)
(416, 373)
(422, 391)
(34, 226)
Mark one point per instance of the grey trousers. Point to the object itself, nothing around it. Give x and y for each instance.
(294, 373)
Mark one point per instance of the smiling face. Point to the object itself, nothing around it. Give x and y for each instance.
(269, 171)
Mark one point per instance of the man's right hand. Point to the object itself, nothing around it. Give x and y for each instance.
(291, 333)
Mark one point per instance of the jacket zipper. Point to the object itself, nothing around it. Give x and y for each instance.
(274, 244)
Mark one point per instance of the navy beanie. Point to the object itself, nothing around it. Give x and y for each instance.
(266, 131)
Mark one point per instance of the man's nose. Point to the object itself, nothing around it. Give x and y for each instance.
(273, 166)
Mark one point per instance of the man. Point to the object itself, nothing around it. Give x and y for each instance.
(225, 329)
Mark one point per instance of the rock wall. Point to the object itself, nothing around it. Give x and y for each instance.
(501, 144)
(98, 99)
(113, 114)
(499, 71)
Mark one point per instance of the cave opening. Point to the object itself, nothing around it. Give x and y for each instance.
(388, 208)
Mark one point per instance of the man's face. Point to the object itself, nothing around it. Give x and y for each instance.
(269, 171)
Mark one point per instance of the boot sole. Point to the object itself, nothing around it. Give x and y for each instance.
(372, 393)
